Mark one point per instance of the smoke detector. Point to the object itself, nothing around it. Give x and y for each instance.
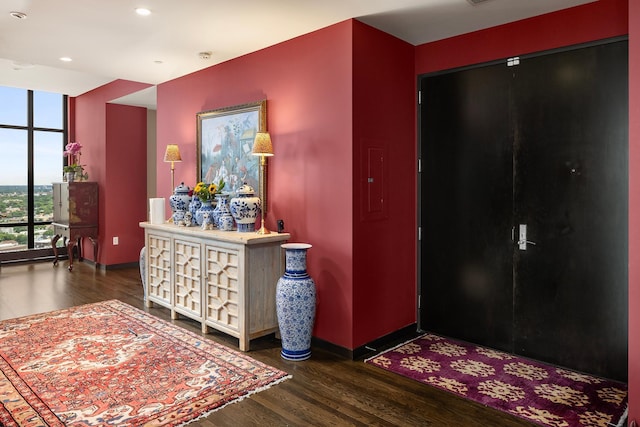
(205, 55)
(18, 15)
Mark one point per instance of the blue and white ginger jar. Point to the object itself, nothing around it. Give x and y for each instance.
(245, 208)
(179, 202)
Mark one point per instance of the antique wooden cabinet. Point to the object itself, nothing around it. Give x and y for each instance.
(225, 280)
(75, 216)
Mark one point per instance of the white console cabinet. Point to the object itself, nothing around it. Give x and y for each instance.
(224, 279)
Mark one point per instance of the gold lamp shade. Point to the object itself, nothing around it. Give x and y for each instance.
(262, 145)
(172, 154)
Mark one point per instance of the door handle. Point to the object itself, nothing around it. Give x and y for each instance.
(522, 238)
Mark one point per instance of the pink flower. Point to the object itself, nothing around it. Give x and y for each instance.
(72, 148)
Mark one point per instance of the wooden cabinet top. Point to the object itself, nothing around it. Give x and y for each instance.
(248, 238)
(75, 203)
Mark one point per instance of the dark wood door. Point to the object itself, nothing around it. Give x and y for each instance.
(571, 191)
(543, 144)
(466, 214)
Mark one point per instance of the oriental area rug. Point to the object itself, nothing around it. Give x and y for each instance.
(542, 394)
(110, 364)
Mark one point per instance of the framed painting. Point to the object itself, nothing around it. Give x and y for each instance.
(224, 142)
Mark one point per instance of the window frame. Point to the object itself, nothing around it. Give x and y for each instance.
(31, 252)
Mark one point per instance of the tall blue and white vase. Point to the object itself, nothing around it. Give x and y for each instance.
(296, 303)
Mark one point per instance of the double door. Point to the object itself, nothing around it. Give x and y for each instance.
(523, 206)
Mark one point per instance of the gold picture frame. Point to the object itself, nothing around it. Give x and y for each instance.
(224, 142)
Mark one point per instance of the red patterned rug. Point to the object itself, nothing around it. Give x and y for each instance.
(110, 364)
(543, 394)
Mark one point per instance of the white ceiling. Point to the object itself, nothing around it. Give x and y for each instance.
(107, 40)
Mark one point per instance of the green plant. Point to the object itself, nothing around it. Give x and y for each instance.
(78, 170)
(73, 151)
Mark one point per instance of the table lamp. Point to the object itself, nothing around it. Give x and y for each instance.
(262, 147)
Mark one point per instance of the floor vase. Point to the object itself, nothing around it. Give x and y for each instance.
(296, 303)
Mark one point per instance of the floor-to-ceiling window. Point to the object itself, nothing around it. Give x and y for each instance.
(33, 131)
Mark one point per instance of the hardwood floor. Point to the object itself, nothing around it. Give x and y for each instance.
(326, 390)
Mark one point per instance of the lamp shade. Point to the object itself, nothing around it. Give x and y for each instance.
(172, 154)
(262, 145)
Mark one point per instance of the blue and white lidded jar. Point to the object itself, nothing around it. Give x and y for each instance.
(179, 202)
(245, 208)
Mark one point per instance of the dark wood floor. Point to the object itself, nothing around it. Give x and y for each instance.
(325, 390)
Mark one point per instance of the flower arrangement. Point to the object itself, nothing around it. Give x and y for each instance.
(73, 151)
(208, 191)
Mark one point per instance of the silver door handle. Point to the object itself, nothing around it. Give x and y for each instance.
(521, 242)
(522, 238)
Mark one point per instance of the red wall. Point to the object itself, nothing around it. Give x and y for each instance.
(114, 151)
(309, 115)
(126, 175)
(322, 104)
(384, 279)
(593, 21)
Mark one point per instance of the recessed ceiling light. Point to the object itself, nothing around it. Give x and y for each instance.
(18, 15)
(143, 11)
(66, 59)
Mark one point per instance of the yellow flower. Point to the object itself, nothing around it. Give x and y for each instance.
(208, 191)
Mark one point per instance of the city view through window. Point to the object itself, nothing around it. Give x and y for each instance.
(32, 131)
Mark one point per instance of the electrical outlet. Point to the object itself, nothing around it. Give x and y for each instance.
(115, 241)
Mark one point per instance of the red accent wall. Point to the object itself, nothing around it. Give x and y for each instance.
(308, 84)
(126, 193)
(114, 152)
(593, 21)
(384, 211)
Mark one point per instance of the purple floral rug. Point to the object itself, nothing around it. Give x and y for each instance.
(543, 394)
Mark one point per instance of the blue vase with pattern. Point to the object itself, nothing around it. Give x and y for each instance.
(194, 205)
(296, 303)
(225, 220)
(205, 206)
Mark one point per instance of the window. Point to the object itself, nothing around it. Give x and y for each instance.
(33, 131)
